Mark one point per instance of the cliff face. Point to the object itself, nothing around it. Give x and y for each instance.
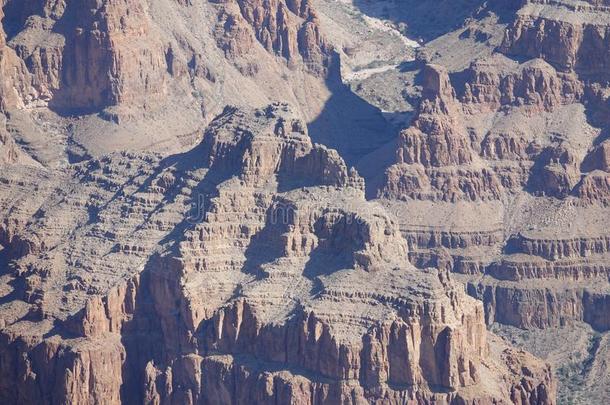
(501, 176)
(288, 29)
(172, 233)
(82, 56)
(284, 285)
(573, 41)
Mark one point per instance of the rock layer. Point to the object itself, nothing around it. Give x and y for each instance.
(287, 285)
(244, 262)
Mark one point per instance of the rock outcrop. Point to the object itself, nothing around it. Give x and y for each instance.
(171, 231)
(85, 56)
(435, 156)
(571, 41)
(288, 29)
(284, 284)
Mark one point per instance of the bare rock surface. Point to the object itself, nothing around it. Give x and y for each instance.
(283, 278)
(317, 201)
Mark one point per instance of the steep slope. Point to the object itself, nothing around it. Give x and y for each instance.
(115, 75)
(207, 254)
(284, 285)
(501, 175)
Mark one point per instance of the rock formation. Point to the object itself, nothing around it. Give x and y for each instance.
(287, 286)
(567, 35)
(285, 201)
(501, 177)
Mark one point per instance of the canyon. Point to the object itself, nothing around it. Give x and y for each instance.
(304, 202)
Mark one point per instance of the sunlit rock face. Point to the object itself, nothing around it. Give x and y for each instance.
(224, 202)
(289, 277)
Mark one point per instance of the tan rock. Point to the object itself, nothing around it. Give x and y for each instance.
(295, 291)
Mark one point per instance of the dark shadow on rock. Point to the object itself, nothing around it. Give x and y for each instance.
(142, 338)
(332, 253)
(410, 65)
(597, 111)
(338, 240)
(15, 14)
(427, 20)
(348, 123)
(537, 181)
(372, 167)
(322, 262)
(287, 183)
(17, 292)
(265, 246)
(86, 83)
(459, 80)
(512, 245)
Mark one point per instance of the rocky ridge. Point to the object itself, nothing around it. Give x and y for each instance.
(492, 183)
(311, 281)
(225, 255)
